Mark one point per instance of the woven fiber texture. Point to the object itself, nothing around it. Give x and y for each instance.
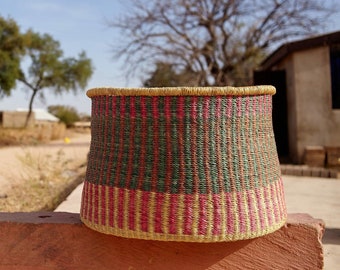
(198, 168)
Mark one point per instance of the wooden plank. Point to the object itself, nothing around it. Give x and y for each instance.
(61, 241)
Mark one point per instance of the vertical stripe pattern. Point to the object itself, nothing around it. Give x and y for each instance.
(183, 168)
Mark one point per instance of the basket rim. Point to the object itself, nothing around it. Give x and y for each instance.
(183, 91)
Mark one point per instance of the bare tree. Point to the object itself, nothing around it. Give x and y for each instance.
(221, 41)
(165, 76)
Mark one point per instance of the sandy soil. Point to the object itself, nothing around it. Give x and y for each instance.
(14, 161)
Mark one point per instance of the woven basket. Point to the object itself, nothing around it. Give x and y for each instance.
(183, 164)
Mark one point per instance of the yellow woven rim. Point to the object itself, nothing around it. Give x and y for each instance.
(184, 91)
(181, 238)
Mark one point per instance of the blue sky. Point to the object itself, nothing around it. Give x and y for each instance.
(78, 25)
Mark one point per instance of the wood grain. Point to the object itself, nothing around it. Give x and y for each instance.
(60, 241)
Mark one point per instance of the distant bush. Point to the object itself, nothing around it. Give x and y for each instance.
(66, 114)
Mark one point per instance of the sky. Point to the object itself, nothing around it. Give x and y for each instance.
(78, 25)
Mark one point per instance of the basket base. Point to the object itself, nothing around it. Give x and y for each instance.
(186, 217)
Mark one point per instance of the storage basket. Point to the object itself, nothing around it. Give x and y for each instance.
(183, 164)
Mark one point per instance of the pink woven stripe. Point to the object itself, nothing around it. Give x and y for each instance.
(265, 105)
(248, 111)
(132, 210)
(273, 191)
(261, 210)
(107, 105)
(229, 210)
(206, 145)
(229, 107)
(194, 157)
(180, 107)
(269, 104)
(173, 214)
(159, 213)
(283, 210)
(268, 210)
(251, 209)
(143, 143)
(280, 197)
(155, 112)
(168, 144)
(96, 205)
(144, 110)
(241, 213)
(92, 207)
(194, 107)
(120, 209)
(132, 103)
(119, 160)
(182, 155)
(156, 144)
(261, 110)
(110, 207)
(239, 107)
(167, 107)
(203, 215)
(188, 214)
(130, 167)
(217, 202)
(254, 106)
(206, 107)
(103, 205)
(144, 222)
(112, 148)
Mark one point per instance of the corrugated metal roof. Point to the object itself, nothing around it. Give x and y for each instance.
(42, 115)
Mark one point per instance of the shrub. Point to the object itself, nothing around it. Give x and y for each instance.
(67, 114)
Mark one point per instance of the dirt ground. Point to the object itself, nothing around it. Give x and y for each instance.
(19, 162)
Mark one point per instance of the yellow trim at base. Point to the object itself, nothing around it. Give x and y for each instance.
(180, 238)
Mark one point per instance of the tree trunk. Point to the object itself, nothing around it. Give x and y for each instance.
(30, 107)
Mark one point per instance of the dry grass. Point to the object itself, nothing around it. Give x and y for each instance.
(46, 181)
(31, 136)
(17, 137)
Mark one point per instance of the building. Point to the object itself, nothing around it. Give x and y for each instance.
(17, 118)
(306, 108)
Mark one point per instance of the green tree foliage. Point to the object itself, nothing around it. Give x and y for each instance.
(67, 114)
(49, 70)
(221, 41)
(11, 51)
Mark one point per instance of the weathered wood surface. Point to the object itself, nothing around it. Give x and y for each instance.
(60, 241)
